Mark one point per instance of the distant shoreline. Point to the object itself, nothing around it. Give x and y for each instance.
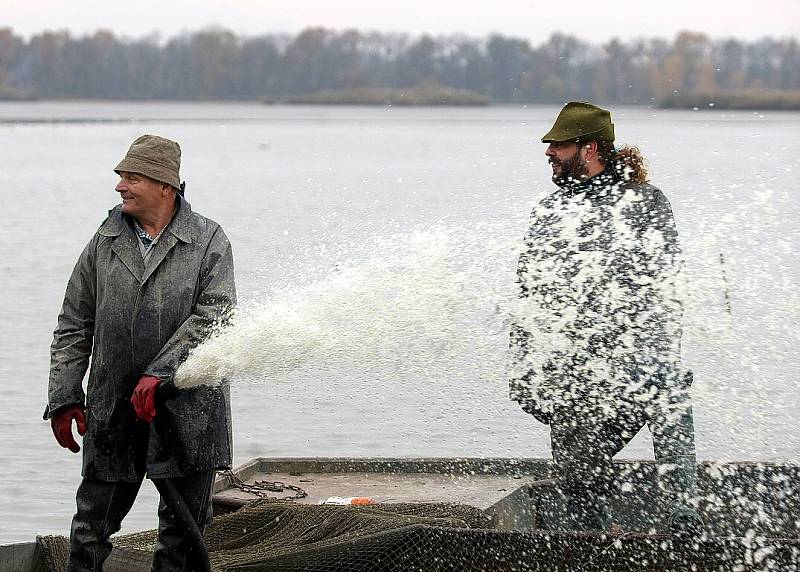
(412, 96)
(762, 100)
(13, 94)
(408, 98)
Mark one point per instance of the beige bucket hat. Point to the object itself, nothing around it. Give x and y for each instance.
(155, 157)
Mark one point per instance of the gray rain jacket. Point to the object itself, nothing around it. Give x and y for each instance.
(137, 320)
(600, 318)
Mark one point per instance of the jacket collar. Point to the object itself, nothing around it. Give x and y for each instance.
(125, 243)
(601, 182)
(180, 225)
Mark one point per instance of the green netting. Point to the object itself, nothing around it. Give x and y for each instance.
(282, 536)
(53, 552)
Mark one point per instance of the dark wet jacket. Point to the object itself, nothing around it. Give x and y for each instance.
(600, 318)
(133, 321)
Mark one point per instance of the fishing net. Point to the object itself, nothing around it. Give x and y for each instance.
(283, 536)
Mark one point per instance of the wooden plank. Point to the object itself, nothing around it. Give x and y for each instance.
(20, 557)
(443, 465)
(480, 491)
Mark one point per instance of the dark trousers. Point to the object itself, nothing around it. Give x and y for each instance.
(584, 439)
(102, 506)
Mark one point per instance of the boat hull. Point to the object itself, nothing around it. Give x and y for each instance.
(750, 509)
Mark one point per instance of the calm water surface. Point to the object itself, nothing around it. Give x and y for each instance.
(291, 185)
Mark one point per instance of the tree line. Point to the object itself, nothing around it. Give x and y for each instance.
(218, 64)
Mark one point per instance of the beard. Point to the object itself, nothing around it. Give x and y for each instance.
(572, 170)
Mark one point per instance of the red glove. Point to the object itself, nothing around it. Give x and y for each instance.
(61, 423)
(144, 398)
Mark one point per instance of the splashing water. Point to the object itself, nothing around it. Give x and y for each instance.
(741, 325)
(419, 304)
(435, 303)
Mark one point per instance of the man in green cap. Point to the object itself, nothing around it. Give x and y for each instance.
(151, 284)
(597, 338)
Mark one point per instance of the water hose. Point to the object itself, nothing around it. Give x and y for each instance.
(197, 554)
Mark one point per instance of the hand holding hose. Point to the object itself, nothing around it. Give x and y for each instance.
(61, 424)
(144, 398)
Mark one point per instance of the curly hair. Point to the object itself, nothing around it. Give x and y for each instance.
(627, 162)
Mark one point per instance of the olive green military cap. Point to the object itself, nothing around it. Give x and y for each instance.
(155, 157)
(580, 121)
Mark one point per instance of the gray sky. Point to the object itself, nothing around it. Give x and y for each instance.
(592, 20)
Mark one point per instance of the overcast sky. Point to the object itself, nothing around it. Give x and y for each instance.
(592, 20)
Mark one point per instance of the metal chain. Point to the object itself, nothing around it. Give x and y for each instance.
(262, 489)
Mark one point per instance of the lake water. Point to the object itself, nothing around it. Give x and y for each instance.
(424, 209)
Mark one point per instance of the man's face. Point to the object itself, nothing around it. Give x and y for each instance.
(141, 195)
(567, 162)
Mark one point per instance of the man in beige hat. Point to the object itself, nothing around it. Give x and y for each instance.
(597, 339)
(150, 285)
